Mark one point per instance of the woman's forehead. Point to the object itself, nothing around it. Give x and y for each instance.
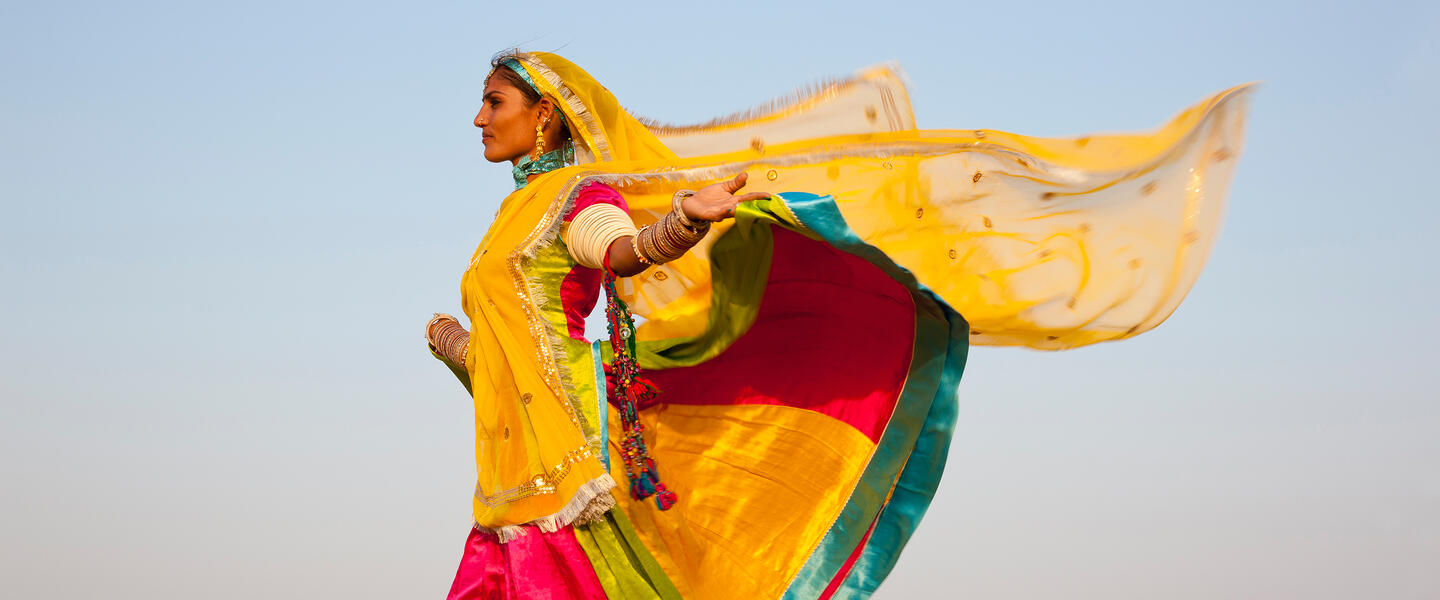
(498, 85)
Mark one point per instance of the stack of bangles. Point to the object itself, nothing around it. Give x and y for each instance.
(448, 338)
(670, 237)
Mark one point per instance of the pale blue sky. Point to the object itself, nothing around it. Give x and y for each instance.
(225, 225)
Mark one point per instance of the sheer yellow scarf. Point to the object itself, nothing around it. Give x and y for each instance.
(1045, 243)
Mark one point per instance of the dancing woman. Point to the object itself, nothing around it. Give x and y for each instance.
(779, 422)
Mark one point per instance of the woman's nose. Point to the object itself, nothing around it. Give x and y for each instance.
(480, 119)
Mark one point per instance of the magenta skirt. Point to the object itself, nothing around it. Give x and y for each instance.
(534, 565)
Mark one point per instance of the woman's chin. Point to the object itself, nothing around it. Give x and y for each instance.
(497, 157)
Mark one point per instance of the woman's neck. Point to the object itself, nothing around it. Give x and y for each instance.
(525, 169)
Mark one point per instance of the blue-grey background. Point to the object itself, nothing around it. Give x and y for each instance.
(224, 226)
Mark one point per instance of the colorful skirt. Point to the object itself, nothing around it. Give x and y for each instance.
(804, 431)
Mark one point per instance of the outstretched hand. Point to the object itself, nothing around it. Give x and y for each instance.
(717, 201)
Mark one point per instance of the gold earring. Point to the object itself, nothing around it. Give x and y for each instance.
(539, 140)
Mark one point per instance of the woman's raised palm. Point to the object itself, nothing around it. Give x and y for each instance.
(717, 201)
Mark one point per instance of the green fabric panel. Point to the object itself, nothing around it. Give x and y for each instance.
(548, 270)
(641, 557)
(600, 561)
(624, 567)
(584, 390)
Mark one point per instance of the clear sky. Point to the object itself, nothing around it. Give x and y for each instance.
(224, 226)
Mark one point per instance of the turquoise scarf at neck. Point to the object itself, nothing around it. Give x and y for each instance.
(547, 162)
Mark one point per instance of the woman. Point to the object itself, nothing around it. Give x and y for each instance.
(806, 346)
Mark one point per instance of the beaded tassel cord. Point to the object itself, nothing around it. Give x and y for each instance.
(629, 392)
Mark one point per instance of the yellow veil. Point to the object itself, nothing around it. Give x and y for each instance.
(1044, 243)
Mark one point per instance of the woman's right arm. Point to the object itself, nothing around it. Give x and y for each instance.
(450, 343)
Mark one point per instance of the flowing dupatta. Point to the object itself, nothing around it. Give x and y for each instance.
(1045, 243)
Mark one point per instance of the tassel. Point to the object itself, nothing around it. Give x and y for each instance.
(629, 393)
(641, 488)
(665, 499)
(643, 393)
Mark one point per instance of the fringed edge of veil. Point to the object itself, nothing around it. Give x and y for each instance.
(798, 99)
(590, 503)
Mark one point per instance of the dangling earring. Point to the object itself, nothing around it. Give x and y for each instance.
(540, 139)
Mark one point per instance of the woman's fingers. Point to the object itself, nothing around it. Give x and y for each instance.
(717, 204)
(735, 184)
(736, 200)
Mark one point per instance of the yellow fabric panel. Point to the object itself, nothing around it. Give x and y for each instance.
(758, 487)
(533, 463)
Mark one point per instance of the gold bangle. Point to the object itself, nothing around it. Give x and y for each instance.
(429, 327)
(676, 205)
(667, 239)
(635, 245)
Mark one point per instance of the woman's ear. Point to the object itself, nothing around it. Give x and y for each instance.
(547, 109)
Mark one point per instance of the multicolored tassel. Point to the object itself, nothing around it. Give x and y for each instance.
(629, 392)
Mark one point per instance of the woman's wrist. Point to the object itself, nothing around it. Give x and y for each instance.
(677, 205)
(668, 239)
(448, 339)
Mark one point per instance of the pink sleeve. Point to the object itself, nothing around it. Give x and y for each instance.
(596, 193)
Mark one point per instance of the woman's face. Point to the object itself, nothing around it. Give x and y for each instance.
(508, 126)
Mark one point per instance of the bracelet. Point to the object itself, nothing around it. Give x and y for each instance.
(429, 327)
(635, 245)
(667, 239)
(677, 201)
(448, 338)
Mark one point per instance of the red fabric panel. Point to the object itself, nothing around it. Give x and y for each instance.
(578, 293)
(834, 335)
(581, 287)
(534, 565)
(596, 193)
